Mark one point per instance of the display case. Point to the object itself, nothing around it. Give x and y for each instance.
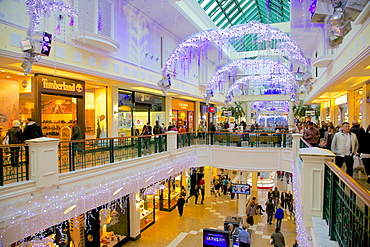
(147, 211)
(170, 194)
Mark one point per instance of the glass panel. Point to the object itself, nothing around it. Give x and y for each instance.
(57, 113)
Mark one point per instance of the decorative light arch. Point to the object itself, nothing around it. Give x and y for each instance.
(197, 45)
(263, 85)
(264, 69)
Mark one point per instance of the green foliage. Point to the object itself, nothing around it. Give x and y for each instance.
(300, 110)
(237, 110)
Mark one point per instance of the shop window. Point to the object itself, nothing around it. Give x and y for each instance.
(147, 203)
(57, 114)
(95, 111)
(124, 113)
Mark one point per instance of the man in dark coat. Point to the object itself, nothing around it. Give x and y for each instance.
(15, 137)
(76, 135)
(180, 205)
(32, 130)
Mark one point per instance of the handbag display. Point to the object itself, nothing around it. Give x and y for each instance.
(357, 163)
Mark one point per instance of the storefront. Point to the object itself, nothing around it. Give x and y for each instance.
(170, 193)
(107, 225)
(341, 109)
(136, 109)
(208, 114)
(358, 94)
(148, 200)
(54, 102)
(183, 114)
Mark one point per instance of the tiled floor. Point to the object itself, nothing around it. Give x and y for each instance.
(186, 231)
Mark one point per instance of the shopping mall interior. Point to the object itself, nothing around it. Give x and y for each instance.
(141, 102)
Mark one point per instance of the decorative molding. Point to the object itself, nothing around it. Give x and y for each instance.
(96, 40)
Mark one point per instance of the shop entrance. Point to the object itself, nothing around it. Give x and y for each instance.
(57, 113)
(141, 116)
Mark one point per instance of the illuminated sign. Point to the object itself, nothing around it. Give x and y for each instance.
(182, 105)
(59, 85)
(212, 237)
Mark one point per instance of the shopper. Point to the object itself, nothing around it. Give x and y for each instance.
(157, 130)
(279, 216)
(311, 135)
(76, 135)
(329, 136)
(364, 152)
(15, 137)
(251, 211)
(145, 140)
(270, 209)
(32, 130)
(224, 185)
(276, 195)
(244, 237)
(344, 145)
(180, 205)
(277, 238)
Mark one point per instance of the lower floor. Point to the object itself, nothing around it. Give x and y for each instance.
(172, 230)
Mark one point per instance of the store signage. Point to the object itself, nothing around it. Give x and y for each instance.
(182, 105)
(211, 109)
(310, 113)
(227, 113)
(59, 85)
(147, 98)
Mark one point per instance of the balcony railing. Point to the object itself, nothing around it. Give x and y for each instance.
(81, 154)
(14, 163)
(346, 208)
(76, 155)
(243, 139)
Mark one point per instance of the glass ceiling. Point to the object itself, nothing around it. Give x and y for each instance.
(227, 13)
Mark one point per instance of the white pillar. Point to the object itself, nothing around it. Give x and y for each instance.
(365, 106)
(134, 216)
(242, 197)
(44, 161)
(312, 181)
(168, 115)
(112, 111)
(296, 145)
(291, 116)
(254, 185)
(247, 111)
(207, 187)
(172, 142)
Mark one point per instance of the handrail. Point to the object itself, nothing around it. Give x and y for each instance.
(305, 142)
(357, 188)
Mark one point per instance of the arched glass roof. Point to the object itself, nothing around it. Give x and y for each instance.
(226, 13)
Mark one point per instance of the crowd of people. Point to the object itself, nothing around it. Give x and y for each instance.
(345, 141)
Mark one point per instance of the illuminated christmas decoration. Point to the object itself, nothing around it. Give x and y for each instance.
(261, 76)
(302, 236)
(26, 216)
(273, 41)
(34, 47)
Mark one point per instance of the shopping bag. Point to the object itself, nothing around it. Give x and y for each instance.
(357, 163)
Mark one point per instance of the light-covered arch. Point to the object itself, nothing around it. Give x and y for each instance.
(262, 67)
(198, 45)
(284, 84)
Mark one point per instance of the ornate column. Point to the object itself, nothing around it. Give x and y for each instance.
(41, 150)
(254, 185)
(291, 116)
(207, 187)
(242, 198)
(247, 110)
(311, 175)
(134, 202)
